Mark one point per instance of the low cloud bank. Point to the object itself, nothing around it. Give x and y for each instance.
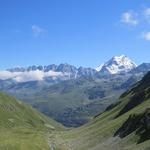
(28, 76)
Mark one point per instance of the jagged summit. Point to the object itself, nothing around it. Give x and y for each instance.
(51, 72)
(117, 64)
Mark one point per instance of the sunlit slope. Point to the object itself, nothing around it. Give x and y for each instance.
(124, 126)
(22, 127)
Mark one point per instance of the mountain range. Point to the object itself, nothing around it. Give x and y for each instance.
(114, 108)
(69, 94)
(124, 125)
(116, 65)
(51, 72)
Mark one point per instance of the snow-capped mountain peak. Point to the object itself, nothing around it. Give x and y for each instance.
(99, 67)
(117, 64)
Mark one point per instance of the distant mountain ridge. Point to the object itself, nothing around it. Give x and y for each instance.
(62, 72)
(144, 68)
(77, 91)
(55, 72)
(116, 65)
(57, 68)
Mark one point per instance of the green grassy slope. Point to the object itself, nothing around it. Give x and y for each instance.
(106, 130)
(22, 127)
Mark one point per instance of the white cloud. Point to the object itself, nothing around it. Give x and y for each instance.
(146, 36)
(129, 18)
(7, 75)
(147, 14)
(52, 74)
(37, 31)
(28, 76)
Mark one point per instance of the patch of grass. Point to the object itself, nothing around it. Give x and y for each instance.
(22, 127)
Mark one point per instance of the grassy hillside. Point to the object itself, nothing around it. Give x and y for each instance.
(22, 127)
(124, 126)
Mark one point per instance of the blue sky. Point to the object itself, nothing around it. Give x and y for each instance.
(79, 32)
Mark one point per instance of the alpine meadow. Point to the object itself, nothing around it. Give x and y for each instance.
(74, 75)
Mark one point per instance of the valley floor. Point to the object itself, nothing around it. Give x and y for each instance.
(58, 141)
(23, 139)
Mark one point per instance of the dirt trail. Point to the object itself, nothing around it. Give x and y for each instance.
(111, 143)
(57, 143)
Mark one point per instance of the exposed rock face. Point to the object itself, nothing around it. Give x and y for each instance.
(140, 93)
(143, 68)
(139, 123)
